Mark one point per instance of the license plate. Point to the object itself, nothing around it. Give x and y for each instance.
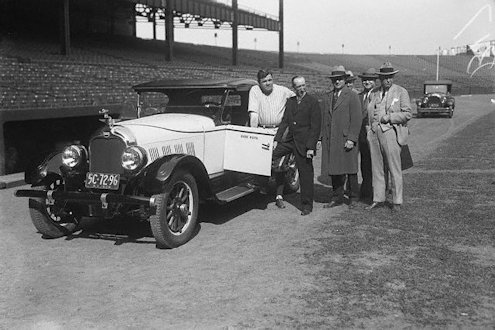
(102, 180)
(434, 105)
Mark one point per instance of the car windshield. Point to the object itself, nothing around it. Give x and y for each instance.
(436, 89)
(192, 101)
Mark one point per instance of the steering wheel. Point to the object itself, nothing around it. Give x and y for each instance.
(211, 108)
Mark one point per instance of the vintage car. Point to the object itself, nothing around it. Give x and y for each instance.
(189, 143)
(436, 99)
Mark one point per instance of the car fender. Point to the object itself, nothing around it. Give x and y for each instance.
(37, 175)
(160, 171)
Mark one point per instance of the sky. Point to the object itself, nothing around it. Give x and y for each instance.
(399, 27)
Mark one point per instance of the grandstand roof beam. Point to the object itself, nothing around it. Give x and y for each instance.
(235, 18)
(281, 34)
(64, 28)
(169, 33)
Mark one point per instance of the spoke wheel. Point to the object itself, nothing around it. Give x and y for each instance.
(175, 219)
(55, 220)
(292, 176)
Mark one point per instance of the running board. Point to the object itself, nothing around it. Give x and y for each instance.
(235, 193)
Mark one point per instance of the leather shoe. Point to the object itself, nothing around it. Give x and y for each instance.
(374, 205)
(280, 203)
(396, 208)
(305, 212)
(332, 204)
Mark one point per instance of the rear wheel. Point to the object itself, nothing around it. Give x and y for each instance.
(55, 220)
(292, 176)
(175, 219)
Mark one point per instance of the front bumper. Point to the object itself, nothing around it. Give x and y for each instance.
(86, 197)
(434, 110)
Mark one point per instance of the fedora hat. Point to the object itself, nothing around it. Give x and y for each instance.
(350, 76)
(370, 73)
(338, 71)
(387, 69)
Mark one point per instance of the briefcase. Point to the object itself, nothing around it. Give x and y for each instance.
(405, 157)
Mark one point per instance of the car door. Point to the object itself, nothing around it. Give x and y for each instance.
(248, 149)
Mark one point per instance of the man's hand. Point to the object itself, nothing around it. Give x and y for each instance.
(385, 119)
(349, 145)
(310, 153)
(318, 145)
(274, 144)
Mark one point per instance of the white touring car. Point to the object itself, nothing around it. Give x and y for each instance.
(190, 142)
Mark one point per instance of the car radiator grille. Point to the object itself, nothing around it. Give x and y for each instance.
(434, 102)
(104, 155)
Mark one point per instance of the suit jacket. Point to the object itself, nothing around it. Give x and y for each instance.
(341, 122)
(398, 105)
(367, 116)
(303, 121)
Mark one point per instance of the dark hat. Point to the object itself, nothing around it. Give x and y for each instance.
(387, 69)
(370, 73)
(350, 76)
(338, 71)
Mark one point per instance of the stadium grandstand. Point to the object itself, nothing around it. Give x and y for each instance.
(53, 83)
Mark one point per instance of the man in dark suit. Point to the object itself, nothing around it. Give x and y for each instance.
(341, 124)
(302, 117)
(368, 80)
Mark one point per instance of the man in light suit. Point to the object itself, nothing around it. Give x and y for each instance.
(391, 109)
(302, 117)
(341, 124)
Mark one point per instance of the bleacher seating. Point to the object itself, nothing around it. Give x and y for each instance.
(101, 71)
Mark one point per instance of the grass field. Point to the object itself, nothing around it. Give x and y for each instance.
(433, 265)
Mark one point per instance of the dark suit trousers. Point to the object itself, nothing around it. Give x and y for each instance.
(338, 187)
(306, 172)
(365, 166)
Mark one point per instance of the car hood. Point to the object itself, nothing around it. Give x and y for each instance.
(162, 127)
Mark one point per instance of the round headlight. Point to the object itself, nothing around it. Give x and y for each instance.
(133, 158)
(73, 155)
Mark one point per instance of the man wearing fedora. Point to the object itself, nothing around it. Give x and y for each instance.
(368, 80)
(340, 131)
(349, 81)
(391, 109)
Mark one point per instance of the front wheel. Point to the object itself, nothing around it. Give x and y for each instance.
(175, 219)
(56, 220)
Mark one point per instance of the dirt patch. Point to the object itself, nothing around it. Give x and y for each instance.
(254, 266)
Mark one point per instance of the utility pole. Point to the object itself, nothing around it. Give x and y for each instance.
(438, 61)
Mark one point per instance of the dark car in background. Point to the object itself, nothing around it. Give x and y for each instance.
(437, 99)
